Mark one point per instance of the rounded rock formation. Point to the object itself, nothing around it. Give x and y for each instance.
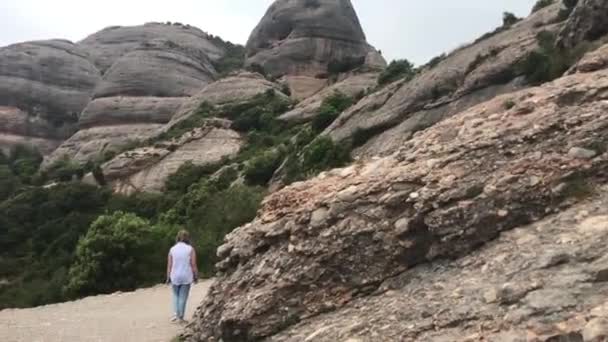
(303, 37)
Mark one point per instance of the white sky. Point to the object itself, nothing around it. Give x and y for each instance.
(413, 29)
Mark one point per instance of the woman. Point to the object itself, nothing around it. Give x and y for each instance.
(181, 273)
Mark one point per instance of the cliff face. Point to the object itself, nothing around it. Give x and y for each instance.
(148, 72)
(44, 85)
(476, 212)
(300, 39)
(326, 244)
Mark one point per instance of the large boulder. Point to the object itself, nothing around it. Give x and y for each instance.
(300, 38)
(149, 71)
(319, 245)
(44, 85)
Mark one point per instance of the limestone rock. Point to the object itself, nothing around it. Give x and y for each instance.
(321, 270)
(302, 37)
(92, 143)
(468, 76)
(592, 61)
(351, 86)
(237, 88)
(588, 21)
(149, 71)
(147, 169)
(43, 87)
(111, 43)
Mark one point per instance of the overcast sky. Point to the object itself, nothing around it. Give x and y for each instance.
(413, 29)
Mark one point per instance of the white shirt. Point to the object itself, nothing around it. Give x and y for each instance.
(181, 269)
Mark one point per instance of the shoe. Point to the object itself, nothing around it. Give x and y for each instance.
(183, 322)
(174, 319)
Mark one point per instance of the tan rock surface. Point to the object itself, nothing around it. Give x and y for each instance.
(351, 86)
(319, 245)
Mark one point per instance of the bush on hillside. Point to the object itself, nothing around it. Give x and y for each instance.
(548, 62)
(540, 4)
(320, 155)
(397, 69)
(188, 174)
(221, 213)
(260, 169)
(119, 252)
(330, 109)
(509, 19)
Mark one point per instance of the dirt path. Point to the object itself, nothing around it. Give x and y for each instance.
(142, 315)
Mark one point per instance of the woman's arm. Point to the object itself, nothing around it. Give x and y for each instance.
(169, 265)
(193, 264)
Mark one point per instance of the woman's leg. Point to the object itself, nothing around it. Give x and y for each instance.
(175, 290)
(184, 291)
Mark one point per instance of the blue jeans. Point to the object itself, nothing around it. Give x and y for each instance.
(180, 297)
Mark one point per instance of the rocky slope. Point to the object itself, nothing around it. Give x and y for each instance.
(468, 76)
(389, 248)
(320, 245)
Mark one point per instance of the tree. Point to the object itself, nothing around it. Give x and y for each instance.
(509, 19)
(397, 69)
(119, 252)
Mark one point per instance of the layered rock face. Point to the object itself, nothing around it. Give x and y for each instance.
(587, 22)
(44, 85)
(148, 72)
(300, 38)
(234, 89)
(324, 245)
(146, 169)
(466, 77)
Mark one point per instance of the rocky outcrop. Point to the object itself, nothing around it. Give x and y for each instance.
(302, 37)
(351, 86)
(146, 169)
(237, 88)
(324, 245)
(299, 39)
(586, 22)
(112, 43)
(44, 85)
(149, 71)
(468, 76)
(540, 282)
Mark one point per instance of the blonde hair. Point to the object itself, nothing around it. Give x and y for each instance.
(183, 236)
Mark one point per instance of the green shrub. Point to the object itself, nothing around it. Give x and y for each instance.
(219, 214)
(24, 162)
(320, 155)
(258, 68)
(548, 62)
(196, 119)
(188, 174)
(233, 59)
(261, 168)
(540, 4)
(397, 69)
(64, 170)
(119, 252)
(330, 109)
(509, 19)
